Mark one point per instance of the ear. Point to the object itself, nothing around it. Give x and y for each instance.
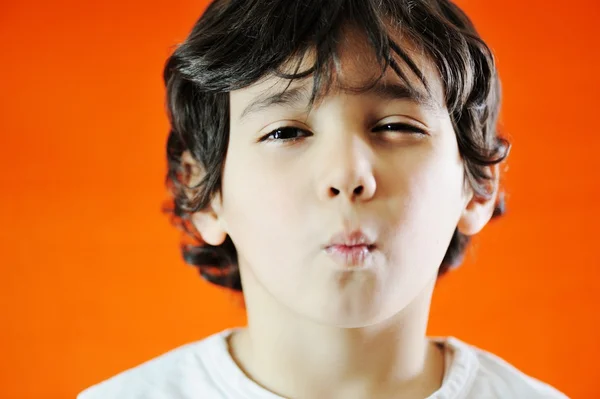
(208, 221)
(479, 210)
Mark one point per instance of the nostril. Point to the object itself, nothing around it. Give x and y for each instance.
(357, 191)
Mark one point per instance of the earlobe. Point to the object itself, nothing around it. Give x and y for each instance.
(210, 227)
(206, 221)
(479, 210)
(210, 224)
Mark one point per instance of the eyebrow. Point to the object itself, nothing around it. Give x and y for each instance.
(289, 98)
(296, 96)
(395, 91)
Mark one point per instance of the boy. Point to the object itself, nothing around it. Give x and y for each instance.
(331, 159)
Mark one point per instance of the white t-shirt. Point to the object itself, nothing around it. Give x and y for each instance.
(206, 370)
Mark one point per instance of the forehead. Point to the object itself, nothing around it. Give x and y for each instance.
(354, 68)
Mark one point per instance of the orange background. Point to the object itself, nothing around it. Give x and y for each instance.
(92, 280)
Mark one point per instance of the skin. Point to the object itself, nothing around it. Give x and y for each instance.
(390, 167)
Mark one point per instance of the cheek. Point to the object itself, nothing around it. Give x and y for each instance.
(422, 190)
(266, 209)
(437, 187)
(262, 202)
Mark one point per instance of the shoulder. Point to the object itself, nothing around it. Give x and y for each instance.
(178, 374)
(496, 378)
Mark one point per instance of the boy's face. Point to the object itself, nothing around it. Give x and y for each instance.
(378, 161)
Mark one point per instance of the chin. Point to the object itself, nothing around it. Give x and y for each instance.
(350, 315)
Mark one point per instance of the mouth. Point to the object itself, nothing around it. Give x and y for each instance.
(350, 239)
(351, 249)
(350, 255)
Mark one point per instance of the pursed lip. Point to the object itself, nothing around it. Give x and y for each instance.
(350, 239)
(353, 250)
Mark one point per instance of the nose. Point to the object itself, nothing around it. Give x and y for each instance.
(348, 171)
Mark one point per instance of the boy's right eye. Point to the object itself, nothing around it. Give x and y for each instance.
(286, 134)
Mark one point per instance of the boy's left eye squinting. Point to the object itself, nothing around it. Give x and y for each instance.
(399, 127)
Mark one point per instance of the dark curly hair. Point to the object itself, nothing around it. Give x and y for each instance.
(237, 42)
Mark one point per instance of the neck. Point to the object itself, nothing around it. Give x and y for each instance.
(295, 357)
